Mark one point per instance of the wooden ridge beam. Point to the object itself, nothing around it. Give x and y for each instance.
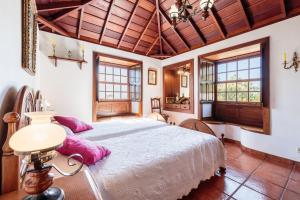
(53, 6)
(159, 25)
(80, 22)
(128, 23)
(107, 17)
(144, 31)
(169, 45)
(220, 28)
(151, 47)
(52, 26)
(174, 28)
(245, 16)
(60, 15)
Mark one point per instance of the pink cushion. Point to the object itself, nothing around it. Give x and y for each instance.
(90, 152)
(74, 124)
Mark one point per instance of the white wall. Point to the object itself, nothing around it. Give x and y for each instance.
(12, 76)
(69, 89)
(285, 92)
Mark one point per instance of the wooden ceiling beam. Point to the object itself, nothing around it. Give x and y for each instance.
(144, 31)
(169, 45)
(151, 47)
(107, 17)
(174, 28)
(159, 25)
(54, 6)
(197, 30)
(245, 16)
(62, 15)
(128, 23)
(217, 22)
(283, 8)
(80, 22)
(52, 26)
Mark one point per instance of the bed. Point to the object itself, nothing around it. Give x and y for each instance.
(149, 159)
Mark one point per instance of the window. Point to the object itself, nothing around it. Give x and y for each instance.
(135, 84)
(207, 73)
(239, 80)
(112, 82)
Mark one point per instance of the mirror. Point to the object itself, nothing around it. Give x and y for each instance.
(178, 87)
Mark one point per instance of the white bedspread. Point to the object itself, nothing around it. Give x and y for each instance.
(116, 128)
(162, 163)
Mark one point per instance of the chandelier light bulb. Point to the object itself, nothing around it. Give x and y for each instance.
(174, 13)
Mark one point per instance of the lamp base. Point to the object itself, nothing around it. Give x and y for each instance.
(52, 193)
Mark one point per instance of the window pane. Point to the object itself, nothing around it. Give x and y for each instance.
(124, 95)
(255, 62)
(137, 96)
(242, 86)
(203, 73)
(243, 74)
(101, 86)
(117, 88)
(109, 87)
(132, 96)
(231, 76)
(132, 81)
(231, 96)
(101, 95)
(102, 69)
(254, 86)
(221, 67)
(210, 88)
(109, 78)
(243, 64)
(221, 87)
(231, 66)
(109, 70)
(242, 97)
(124, 88)
(254, 96)
(231, 87)
(117, 71)
(254, 73)
(221, 96)
(109, 95)
(124, 79)
(222, 77)
(117, 79)
(101, 77)
(210, 77)
(124, 72)
(117, 95)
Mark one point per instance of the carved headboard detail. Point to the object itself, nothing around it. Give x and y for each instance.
(15, 120)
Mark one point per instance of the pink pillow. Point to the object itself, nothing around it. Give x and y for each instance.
(74, 124)
(90, 152)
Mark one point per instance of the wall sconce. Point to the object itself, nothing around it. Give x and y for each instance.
(294, 63)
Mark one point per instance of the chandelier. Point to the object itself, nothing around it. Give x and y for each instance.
(182, 10)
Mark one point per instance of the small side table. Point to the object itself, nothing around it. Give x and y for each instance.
(77, 187)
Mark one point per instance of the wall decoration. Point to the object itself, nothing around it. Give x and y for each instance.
(152, 77)
(292, 64)
(184, 81)
(29, 36)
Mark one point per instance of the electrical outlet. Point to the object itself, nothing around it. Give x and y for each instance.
(298, 149)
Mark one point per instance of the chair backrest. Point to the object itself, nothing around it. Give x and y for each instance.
(197, 125)
(155, 105)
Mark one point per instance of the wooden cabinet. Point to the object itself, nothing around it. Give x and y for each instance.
(113, 108)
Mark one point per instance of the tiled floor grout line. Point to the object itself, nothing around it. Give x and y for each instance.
(286, 184)
(242, 184)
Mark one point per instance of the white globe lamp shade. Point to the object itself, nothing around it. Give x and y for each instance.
(206, 4)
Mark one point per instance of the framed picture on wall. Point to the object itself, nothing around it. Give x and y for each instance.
(184, 81)
(152, 77)
(29, 36)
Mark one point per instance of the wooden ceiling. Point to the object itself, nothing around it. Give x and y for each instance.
(144, 26)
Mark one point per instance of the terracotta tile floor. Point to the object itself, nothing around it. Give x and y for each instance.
(250, 177)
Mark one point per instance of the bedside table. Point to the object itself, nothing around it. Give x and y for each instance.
(77, 187)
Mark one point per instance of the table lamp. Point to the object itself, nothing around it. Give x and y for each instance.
(36, 144)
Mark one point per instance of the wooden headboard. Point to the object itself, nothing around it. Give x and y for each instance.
(25, 102)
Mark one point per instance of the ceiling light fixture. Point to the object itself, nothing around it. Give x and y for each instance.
(182, 10)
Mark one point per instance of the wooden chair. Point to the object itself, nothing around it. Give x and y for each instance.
(156, 107)
(198, 125)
